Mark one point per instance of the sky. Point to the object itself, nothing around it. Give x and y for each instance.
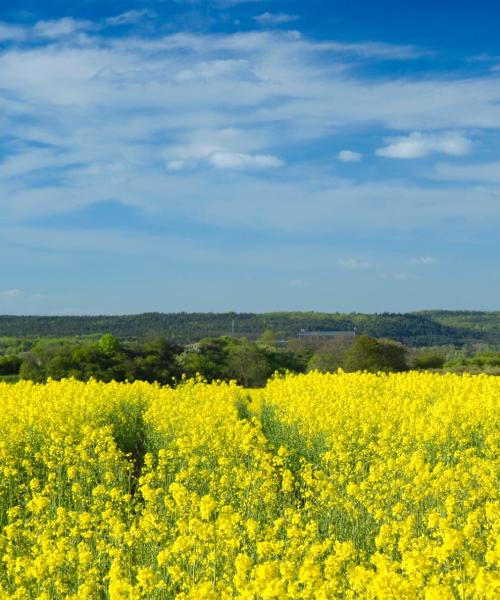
(249, 155)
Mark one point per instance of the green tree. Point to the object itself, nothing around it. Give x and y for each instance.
(208, 358)
(156, 360)
(109, 344)
(331, 355)
(429, 360)
(302, 352)
(268, 338)
(369, 354)
(10, 364)
(249, 365)
(100, 362)
(32, 368)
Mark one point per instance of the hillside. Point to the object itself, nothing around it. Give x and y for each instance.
(487, 324)
(415, 329)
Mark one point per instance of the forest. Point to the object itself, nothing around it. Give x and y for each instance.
(427, 328)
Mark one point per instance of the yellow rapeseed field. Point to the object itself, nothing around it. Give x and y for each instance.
(317, 487)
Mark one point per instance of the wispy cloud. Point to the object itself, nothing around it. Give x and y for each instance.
(423, 260)
(177, 165)
(236, 160)
(131, 17)
(50, 30)
(60, 27)
(226, 160)
(375, 50)
(484, 58)
(402, 276)
(349, 156)
(227, 148)
(230, 140)
(480, 172)
(268, 18)
(10, 32)
(419, 145)
(10, 294)
(353, 264)
(297, 283)
(212, 127)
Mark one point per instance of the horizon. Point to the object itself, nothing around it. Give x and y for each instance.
(257, 313)
(244, 155)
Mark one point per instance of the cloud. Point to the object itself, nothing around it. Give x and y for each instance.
(483, 58)
(402, 276)
(420, 145)
(10, 32)
(176, 165)
(349, 156)
(482, 172)
(10, 294)
(45, 30)
(224, 136)
(131, 17)
(60, 27)
(423, 260)
(213, 69)
(225, 148)
(158, 121)
(353, 264)
(228, 160)
(268, 18)
(236, 160)
(374, 50)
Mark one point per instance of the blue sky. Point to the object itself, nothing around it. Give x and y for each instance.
(249, 155)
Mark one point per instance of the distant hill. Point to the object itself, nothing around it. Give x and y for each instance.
(487, 324)
(415, 329)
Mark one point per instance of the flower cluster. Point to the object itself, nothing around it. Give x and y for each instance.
(316, 487)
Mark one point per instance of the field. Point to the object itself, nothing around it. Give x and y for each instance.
(315, 487)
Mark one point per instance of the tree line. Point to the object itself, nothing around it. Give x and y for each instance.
(250, 363)
(413, 329)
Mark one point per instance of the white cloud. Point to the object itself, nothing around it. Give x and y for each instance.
(10, 294)
(60, 27)
(353, 264)
(105, 117)
(176, 165)
(225, 148)
(349, 156)
(131, 17)
(423, 260)
(10, 32)
(186, 127)
(268, 18)
(419, 145)
(237, 160)
(213, 69)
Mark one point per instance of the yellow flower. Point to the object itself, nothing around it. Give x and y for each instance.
(207, 507)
